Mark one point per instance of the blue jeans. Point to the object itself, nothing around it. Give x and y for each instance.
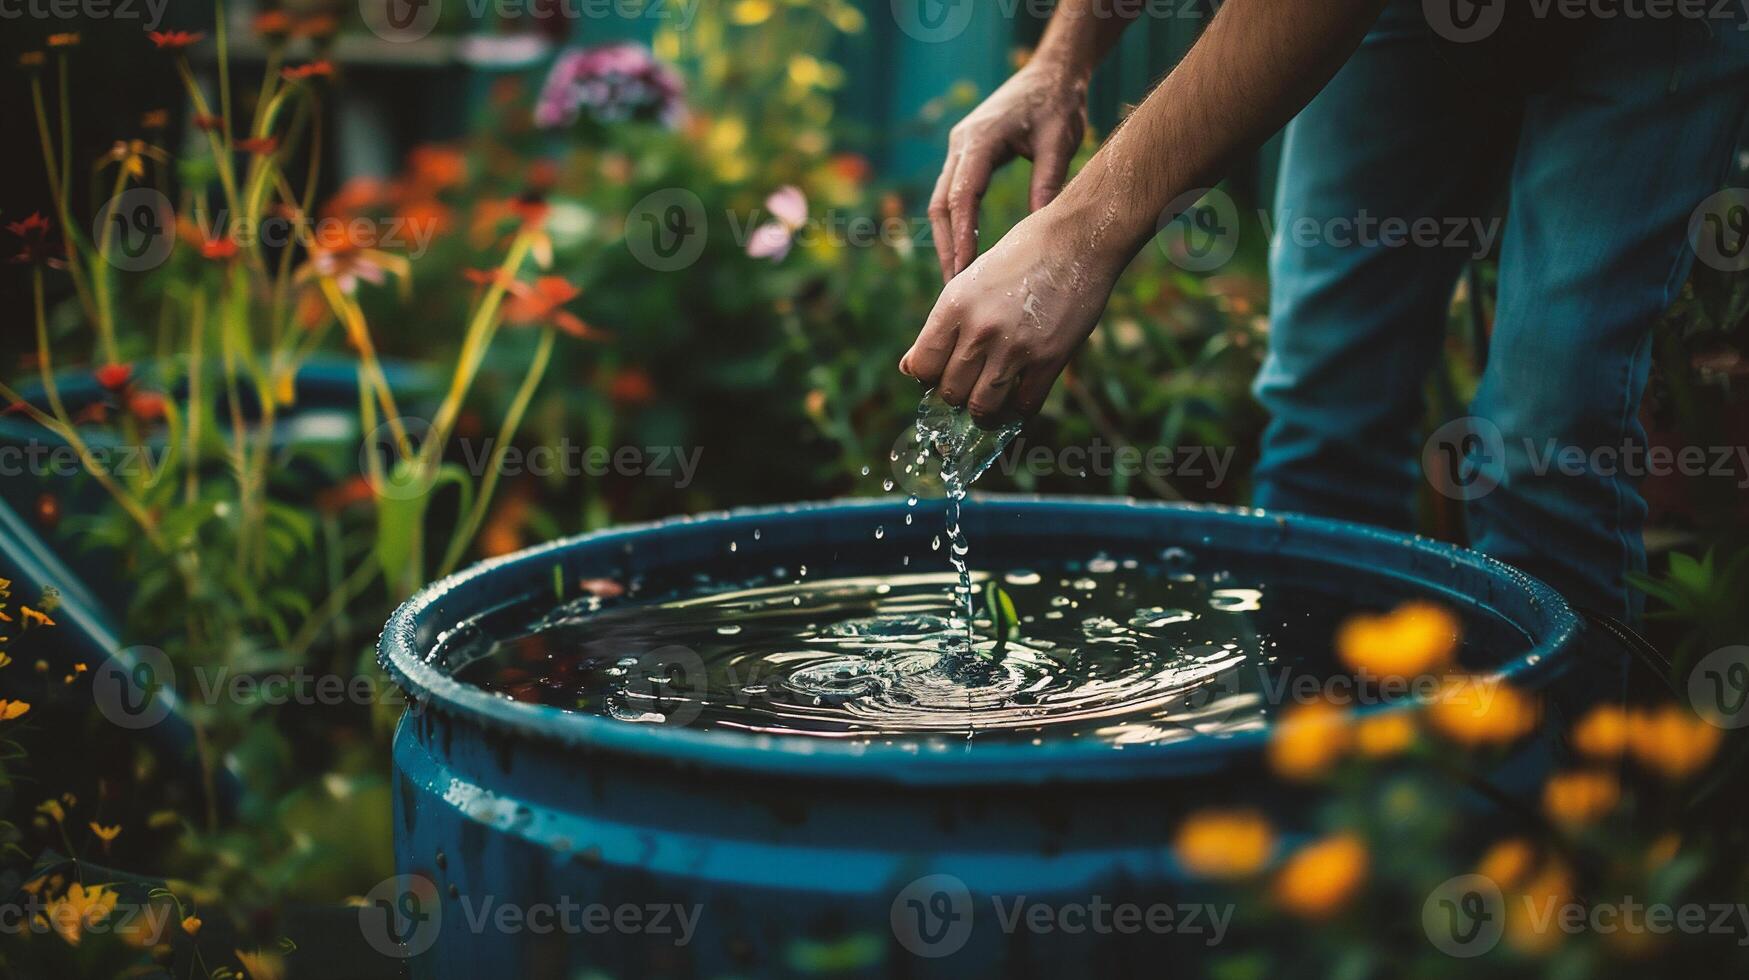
(1605, 157)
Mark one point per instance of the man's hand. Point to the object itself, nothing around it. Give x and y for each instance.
(1040, 113)
(1002, 332)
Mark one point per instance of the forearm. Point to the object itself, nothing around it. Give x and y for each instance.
(1082, 32)
(1259, 63)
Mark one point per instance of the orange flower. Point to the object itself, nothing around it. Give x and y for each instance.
(1673, 741)
(1576, 798)
(32, 60)
(105, 834)
(1416, 639)
(315, 69)
(1308, 741)
(1603, 732)
(354, 491)
(853, 167)
(357, 194)
(1476, 711)
(156, 119)
(1508, 862)
(65, 39)
(1385, 734)
(1320, 878)
(434, 167)
(175, 40)
(1533, 914)
(541, 304)
(32, 617)
(259, 145)
(191, 925)
(1224, 844)
(426, 218)
(207, 122)
(13, 709)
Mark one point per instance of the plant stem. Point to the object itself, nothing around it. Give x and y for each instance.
(464, 535)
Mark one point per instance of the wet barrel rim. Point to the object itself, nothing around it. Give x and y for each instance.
(1544, 617)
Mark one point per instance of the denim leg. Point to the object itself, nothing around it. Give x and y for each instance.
(1357, 319)
(1613, 161)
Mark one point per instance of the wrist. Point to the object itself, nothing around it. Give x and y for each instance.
(1099, 225)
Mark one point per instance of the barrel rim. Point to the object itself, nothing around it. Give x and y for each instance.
(973, 763)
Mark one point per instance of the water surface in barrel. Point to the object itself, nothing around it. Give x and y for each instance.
(1119, 649)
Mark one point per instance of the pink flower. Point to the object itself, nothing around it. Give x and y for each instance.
(610, 83)
(789, 212)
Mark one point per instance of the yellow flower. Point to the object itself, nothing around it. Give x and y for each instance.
(12, 709)
(32, 616)
(747, 13)
(1416, 639)
(5, 659)
(1508, 863)
(105, 834)
(261, 965)
(1381, 736)
(1224, 844)
(1672, 741)
(1321, 877)
(52, 808)
(1308, 741)
(191, 925)
(1476, 711)
(1531, 916)
(78, 910)
(847, 19)
(1576, 798)
(1603, 732)
(1663, 851)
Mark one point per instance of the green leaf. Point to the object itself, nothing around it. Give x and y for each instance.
(1003, 618)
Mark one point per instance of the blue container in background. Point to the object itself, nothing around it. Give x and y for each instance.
(792, 856)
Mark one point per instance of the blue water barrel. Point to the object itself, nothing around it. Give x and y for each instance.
(800, 854)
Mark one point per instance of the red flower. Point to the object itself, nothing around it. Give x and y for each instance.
(273, 24)
(115, 377)
(208, 122)
(147, 406)
(317, 26)
(631, 387)
(219, 249)
(354, 491)
(298, 73)
(175, 40)
(541, 303)
(34, 247)
(259, 145)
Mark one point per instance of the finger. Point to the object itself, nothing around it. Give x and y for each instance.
(941, 218)
(1050, 166)
(1033, 388)
(970, 179)
(990, 399)
(928, 355)
(962, 372)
